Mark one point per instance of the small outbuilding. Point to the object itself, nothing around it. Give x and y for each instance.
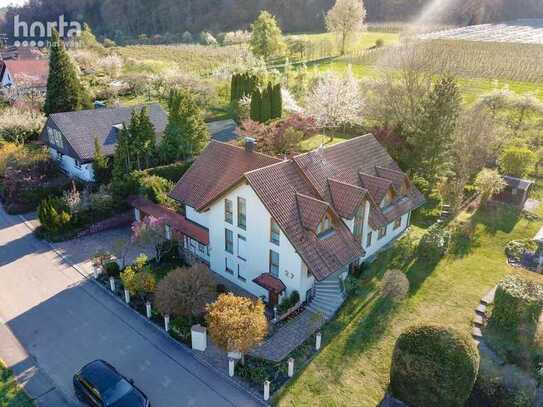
(515, 193)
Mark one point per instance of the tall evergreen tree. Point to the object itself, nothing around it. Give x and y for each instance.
(65, 93)
(436, 122)
(186, 133)
(266, 38)
(256, 106)
(100, 165)
(276, 102)
(266, 95)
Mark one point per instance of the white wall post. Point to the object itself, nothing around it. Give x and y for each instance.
(318, 341)
(96, 270)
(266, 390)
(199, 337)
(126, 296)
(290, 367)
(112, 284)
(168, 230)
(231, 366)
(137, 214)
(275, 313)
(148, 309)
(166, 323)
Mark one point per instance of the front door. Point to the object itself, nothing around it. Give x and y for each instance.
(273, 299)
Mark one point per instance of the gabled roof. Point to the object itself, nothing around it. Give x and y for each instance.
(270, 283)
(311, 211)
(398, 178)
(295, 206)
(218, 168)
(81, 128)
(26, 72)
(346, 198)
(378, 187)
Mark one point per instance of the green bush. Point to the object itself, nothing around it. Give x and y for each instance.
(154, 188)
(112, 269)
(434, 242)
(516, 249)
(288, 302)
(171, 172)
(379, 42)
(433, 366)
(517, 308)
(54, 215)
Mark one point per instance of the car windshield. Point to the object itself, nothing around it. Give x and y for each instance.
(117, 392)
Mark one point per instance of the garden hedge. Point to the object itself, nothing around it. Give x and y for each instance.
(172, 172)
(433, 366)
(517, 307)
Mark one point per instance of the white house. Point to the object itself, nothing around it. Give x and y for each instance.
(70, 136)
(277, 226)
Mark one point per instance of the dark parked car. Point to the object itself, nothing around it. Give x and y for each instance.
(100, 384)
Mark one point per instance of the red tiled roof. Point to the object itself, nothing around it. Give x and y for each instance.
(311, 211)
(360, 162)
(281, 187)
(28, 72)
(378, 187)
(270, 283)
(218, 168)
(398, 178)
(177, 221)
(346, 198)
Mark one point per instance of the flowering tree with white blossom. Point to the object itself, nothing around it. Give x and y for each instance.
(335, 101)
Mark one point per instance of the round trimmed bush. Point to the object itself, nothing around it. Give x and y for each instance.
(517, 306)
(433, 366)
(112, 269)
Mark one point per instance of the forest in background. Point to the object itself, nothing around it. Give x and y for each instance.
(119, 19)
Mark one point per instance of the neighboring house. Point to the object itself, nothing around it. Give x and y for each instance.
(515, 193)
(276, 226)
(70, 136)
(21, 53)
(223, 130)
(24, 74)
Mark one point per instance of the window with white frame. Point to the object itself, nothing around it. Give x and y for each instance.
(242, 247)
(228, 241)
(241, 273)
(228, 211)
(359, 222)
(77, 164)
(398, 223)
(275, 232)
(368, 241)
(274, 263)
(382, 232)
(242, 213)
(228, 266)
(325, 226)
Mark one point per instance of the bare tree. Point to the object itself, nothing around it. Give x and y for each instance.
(185, 291)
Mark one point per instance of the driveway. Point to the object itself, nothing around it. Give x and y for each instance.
(53, 321)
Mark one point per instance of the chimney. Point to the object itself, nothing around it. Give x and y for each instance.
(250, 144)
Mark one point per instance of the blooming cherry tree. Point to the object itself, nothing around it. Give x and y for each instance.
(150, 231)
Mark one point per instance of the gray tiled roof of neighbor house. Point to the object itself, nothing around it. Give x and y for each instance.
(223, 130)
(81, 128)
(518, 183)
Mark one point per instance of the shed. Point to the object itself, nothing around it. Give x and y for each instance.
(516, 191)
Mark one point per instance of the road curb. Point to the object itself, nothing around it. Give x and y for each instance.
(256, 396)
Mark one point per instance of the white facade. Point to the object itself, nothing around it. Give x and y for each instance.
(72, 167)
(250, 257)
(251, 247)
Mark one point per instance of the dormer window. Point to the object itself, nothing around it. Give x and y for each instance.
(325, 227)
(404, 188)
(387, 200)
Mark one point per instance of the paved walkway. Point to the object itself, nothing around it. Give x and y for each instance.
(289, 337)
(58, 320)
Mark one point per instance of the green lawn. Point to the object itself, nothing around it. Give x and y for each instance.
(11, 394)
(353, 367)
(364, 41)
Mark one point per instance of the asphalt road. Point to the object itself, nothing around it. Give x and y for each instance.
(53, 321)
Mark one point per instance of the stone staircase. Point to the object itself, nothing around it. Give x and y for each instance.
(328, 298)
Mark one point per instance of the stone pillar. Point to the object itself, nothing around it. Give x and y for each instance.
(137, 215)
(275, 313)
(318, 340)
(290, 367)
(166, 323)
(231, 366)
(199, 337)
(267, 390)
(148, 309)
(126, 296)
(112, 284)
